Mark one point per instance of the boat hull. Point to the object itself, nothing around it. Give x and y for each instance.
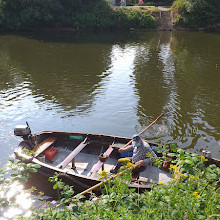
(83, 148)
(98, 144)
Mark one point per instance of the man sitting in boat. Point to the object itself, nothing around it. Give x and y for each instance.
(143, 156)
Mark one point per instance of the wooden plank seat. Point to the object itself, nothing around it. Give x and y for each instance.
(143, 180)
(43, 146)
(73, 154)
(96, 167)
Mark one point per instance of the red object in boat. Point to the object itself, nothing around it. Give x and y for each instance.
(167, 165)
(50, 153)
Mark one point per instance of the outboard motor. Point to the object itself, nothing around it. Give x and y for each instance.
(23, 131)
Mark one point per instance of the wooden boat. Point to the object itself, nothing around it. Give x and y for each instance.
(76, 156)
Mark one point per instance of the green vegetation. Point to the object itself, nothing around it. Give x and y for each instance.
(197, 13)
(97, 14)
(191, 195)
(76, 14)
(134, 19)
(188, 162)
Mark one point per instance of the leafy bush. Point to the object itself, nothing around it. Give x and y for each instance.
(25, 14)
(177, 11)
(135, 19)
(28, 13)
(79, 14)
(196, 13)
(100, 16)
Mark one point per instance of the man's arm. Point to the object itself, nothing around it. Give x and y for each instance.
(128, 148)
(140, 163)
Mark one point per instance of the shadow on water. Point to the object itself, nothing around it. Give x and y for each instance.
(82, 37)
(42, 185)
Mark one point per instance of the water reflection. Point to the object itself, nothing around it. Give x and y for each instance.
(197, 83)
(19, 197)
(172, 105)
(62, 74)
(24, 198)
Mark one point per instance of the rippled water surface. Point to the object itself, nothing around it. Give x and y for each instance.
(112, 83)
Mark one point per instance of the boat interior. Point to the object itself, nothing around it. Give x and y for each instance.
(79, 154)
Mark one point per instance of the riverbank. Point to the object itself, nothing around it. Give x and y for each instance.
(191, 195)
(99, 15)
(96, 15)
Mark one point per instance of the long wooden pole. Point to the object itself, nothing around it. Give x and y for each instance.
(143, 130)
(107, 180)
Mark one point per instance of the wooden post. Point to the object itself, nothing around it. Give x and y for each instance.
(73, 164)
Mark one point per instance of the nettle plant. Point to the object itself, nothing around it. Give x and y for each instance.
(187, 163)
(164, 159)
(170, 154)
(64, 191)
(190, 163)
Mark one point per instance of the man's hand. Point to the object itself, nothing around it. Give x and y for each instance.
(121, 150)
(115, 148)
(139, 163)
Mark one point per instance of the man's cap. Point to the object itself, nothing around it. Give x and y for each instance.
(136, 138)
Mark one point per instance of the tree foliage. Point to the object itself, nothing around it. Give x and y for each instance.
(79, 14)
(197, 13)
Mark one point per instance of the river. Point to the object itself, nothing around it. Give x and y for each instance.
(112, 83)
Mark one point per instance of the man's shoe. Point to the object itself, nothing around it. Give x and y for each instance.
(112, 171)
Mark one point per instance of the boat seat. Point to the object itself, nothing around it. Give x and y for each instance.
(143, 179)
(73, 154)
(100, 164)
(43, 146)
